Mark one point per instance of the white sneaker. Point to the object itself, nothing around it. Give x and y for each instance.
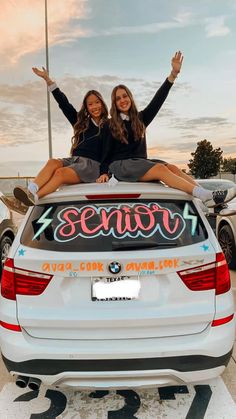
(220, 197)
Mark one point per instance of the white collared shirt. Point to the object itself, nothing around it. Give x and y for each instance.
(95, 123)
(52, 87)
(124, 117)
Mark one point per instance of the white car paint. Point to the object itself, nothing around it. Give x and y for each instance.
(166, 336)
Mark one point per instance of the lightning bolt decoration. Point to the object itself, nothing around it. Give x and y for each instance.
(188, 216)
(44, 221)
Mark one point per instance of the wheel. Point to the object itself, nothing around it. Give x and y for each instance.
(227, 242)
(5, 245)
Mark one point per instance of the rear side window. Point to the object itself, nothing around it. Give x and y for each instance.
(105, 226)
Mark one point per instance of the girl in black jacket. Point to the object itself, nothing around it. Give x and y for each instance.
(88, 146)
(128, 148)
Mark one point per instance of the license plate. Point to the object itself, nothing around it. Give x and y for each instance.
(115, 289)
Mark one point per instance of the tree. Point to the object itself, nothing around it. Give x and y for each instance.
(229, 165)
(206, 161)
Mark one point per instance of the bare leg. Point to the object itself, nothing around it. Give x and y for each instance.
(47, 172)
(161, 172)
(180, 173)
(64, 175)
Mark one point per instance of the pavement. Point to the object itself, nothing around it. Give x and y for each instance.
(229, 375)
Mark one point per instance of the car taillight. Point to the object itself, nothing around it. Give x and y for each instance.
(22, 281)
(222, 274)
(213, 275)
(8, 280)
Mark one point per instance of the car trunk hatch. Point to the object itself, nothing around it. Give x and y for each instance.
(117, 280)
(152, 301)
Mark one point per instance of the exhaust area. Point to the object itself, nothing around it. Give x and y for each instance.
(34, 383)
(22, 381)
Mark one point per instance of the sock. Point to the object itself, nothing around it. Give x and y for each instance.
(33, 188)
(201, 193)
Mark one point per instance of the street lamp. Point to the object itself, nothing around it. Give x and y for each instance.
(48, 94)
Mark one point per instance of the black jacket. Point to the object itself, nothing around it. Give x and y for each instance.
(93, 142)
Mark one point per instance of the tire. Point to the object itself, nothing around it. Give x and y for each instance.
(5, 245)
(227, 242)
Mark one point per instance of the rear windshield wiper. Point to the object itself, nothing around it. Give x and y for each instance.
(127, 245)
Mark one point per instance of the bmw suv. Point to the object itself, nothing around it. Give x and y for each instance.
(116, 287)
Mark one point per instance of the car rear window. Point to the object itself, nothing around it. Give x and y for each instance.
(93, 226)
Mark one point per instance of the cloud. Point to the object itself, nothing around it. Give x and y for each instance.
(23, 114)
(23, 27)
(229, 147)
(18, 128)
(181, 20)
(206, 122)
(215, 27)
(177, 147)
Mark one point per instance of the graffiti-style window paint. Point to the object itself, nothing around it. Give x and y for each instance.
(102, 226)
(120, 221)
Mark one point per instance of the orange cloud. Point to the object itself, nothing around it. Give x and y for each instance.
(22, 25)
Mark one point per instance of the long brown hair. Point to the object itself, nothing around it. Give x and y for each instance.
(83, 118)
(116, 123)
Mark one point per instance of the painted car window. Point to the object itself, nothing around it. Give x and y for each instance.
(105, 226)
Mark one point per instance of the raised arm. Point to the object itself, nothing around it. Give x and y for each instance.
(151, 110)
(43, 74)
(176, 64)
(67, 108)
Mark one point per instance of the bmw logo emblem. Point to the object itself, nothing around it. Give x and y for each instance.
(114, 267)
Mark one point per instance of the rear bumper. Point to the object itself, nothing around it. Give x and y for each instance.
(177, 363)
(121, 373)
(120, 363)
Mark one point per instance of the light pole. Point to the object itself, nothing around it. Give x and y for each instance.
(48, 94)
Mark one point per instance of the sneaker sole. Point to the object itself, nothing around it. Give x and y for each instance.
(217, 205)
(22, 196)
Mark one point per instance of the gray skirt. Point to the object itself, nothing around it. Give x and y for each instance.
(131, 170)
(88, 170)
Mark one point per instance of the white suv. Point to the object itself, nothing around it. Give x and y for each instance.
(223, 219)
(113, 287)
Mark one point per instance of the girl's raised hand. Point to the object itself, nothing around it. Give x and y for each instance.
(176, 62)
(41, 73)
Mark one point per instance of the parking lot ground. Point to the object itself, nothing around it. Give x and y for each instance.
(209, 401)
(215, 399)
(229, 375)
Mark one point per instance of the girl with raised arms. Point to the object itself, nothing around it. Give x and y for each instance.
(128, 148)
(88, 146)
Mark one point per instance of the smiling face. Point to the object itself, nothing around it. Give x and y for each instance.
(123, 101)
(94, 107)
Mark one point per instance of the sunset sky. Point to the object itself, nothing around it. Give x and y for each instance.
(96, 44)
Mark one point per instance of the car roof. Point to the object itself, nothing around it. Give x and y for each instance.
(215, 181)
(95, 190)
